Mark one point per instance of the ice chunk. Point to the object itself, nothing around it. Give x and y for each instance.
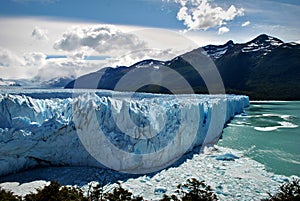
(160, 189)
(227, 157)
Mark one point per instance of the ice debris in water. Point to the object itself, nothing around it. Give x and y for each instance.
(227, 157)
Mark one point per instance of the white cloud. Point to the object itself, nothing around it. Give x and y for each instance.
(103, 39)
(8, 59)
(35, 58)
(54, 68)
(34, 65)
(223, 30)
(245, 23)
(16, 66)
(122, 48)
(201, 14)
(86, 39)
(39, 34)
(24, 57)
(140, 55)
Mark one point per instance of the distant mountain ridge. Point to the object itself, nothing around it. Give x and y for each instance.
(264, 68)
(57, 82)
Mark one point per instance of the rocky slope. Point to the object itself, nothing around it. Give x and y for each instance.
(264, 68)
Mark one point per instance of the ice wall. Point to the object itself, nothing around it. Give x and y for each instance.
(133, 133)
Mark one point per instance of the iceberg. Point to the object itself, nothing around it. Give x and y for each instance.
(128, 132)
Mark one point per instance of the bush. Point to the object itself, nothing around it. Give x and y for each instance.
(121, 194)
(289, 191)
(8, 196)
(95, 193)
(54, 192)
(193, 190)
(169, 198)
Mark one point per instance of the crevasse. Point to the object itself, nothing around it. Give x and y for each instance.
(134, 133)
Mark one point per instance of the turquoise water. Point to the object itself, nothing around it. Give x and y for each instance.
(270, 134)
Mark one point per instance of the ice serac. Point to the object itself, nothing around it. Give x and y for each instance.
(133, 133)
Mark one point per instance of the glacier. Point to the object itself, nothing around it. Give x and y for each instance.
(128, 132)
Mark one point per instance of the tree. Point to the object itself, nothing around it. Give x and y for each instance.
(169, 198)
(54, 192)
(121, 194)
(289, 191)
(194, 190)
(8, 196)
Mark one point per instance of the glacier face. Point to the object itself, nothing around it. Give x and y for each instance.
(128, 132)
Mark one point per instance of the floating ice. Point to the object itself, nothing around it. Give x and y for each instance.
(227, 157)
(268, 128)
(242, 179)
(283, 124)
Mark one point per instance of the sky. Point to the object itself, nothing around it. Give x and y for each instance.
(45, 39)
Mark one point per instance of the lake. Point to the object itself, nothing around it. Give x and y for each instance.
(269, 133)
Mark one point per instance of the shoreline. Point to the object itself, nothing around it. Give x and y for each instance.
(240, 179)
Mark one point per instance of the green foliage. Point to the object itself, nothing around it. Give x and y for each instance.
(121, 194)
(54, 192)
(193, 190)
(262, 75)
(197, 191)
(95, 193)
(169, 198)
(8, 196)
(289, 191)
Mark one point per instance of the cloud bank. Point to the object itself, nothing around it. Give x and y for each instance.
(9, 59)
(102, 39)
(111, 46)
(122, 48)
(202, 15)
(36, 66)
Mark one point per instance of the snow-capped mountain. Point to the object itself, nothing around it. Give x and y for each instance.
(58, 82)
(8, 82)
(217, 51)
(263, 68)
(262, 43)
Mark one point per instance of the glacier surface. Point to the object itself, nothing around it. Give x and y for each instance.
(127, 132)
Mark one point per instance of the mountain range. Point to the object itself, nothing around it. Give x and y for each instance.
(57, 82)
(265, 68)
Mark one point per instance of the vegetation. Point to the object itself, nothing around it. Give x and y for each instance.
(121, 194)
(191, 190)
(54, 192)
(267, 73)
(289, 191)
(8, 196)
